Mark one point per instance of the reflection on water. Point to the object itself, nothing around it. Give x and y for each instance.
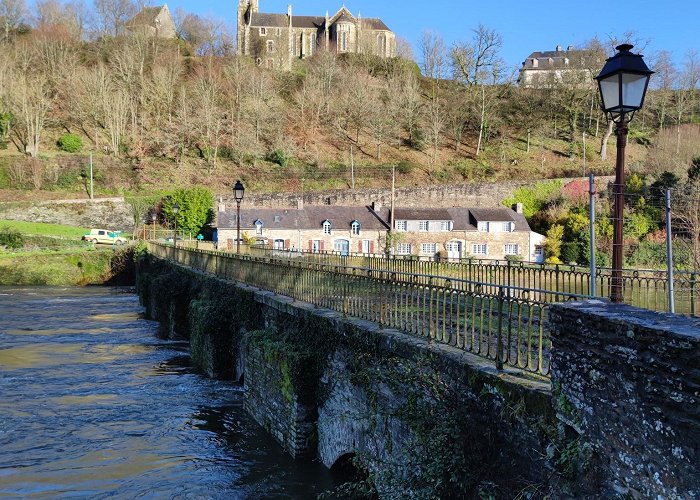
(92, 404)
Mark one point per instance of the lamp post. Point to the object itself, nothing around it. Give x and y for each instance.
(238, 192)
(154, 216)
(623, 83)
(176, 209)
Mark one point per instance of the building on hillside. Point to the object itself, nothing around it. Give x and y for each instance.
(276, 40)
(153, 21)
(428, 233)
(550, 68)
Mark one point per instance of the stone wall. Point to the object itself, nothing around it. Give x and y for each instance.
(444, 196)
(627, 384)
(110, 213)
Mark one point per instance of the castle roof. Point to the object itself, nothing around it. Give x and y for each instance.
(559, 59)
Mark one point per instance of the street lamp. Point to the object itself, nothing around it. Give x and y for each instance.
(176, 209)
(623, 83)
(154, 216)
(238, 191)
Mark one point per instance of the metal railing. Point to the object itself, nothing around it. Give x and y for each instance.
(506, 324)
(645, 288)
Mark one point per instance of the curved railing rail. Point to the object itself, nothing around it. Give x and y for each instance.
(507, 324)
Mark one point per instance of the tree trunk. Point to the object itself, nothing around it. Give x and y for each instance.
(604, 141)
(481, 124)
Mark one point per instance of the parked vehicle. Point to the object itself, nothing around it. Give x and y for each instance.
(104, 236)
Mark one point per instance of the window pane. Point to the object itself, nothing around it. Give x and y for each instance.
(610, 92)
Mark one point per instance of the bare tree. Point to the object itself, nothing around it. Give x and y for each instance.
(433, 55)
(112, 16)
(12, 14)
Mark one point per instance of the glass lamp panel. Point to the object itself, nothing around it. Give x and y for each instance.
(610, 92)
(633, 87)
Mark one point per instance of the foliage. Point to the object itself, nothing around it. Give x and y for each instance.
(535, 198)
(11, 238)
(404, 167)
(68, 267)
(195, 208)
(554, 243)
(70, 143)
(279, 157)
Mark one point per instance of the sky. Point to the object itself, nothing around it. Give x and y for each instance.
(526, 25)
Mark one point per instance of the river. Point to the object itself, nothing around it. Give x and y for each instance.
(93, 404)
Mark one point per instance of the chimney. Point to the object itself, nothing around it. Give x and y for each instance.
(558, 48)
(570, 47)
(221, 204)
(518, 208)
(300, 203)
(376, 206)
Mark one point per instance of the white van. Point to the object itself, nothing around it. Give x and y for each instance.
(104, 236)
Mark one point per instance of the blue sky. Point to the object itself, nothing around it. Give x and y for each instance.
(526, 25)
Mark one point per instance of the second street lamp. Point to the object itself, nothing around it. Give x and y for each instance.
(238, 192)
(176, 209)
(623, 83)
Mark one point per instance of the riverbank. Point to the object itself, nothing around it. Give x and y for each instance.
(80, 267)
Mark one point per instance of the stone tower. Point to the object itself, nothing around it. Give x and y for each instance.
(245, 9)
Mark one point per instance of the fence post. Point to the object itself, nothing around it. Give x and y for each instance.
(499, 335)
(669, 253)
(591, 210)
(692, 294)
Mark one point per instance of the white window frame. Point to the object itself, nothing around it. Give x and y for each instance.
(478, 247)
(355, 228)
(270, 47)
(424, 226)
(402, 225)
(258, 228)
(539, 250)
(315, 246)
(263, 31)
(445, 225)
(483, 226)
(428, 248)
(508, 227)
(404, 249)
(327, 227)
(511, 249)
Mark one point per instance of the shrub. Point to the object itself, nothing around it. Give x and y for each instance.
(404, 167)
(278, 156)
(70, 143)
(11, 239)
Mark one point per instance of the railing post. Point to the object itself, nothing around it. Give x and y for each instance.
(499, 334)
(692, 293)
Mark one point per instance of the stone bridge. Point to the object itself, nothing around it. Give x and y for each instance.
(618, 414)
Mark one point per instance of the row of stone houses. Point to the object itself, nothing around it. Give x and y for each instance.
(454, 233)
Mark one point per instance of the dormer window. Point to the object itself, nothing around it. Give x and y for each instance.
(445, 225)
(423, 225)
(483, 227)
(258, 227)
(277, 218)
(402, 225)
(508, 227)
(327, 227)
(355, 228)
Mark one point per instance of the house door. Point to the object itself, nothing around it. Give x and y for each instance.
(342, 246)
(454, 250)
(366, 246)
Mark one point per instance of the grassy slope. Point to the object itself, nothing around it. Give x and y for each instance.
(69, 267)
(40, 228)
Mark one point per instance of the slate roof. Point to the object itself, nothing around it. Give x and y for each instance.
(344, 18)
(499, 215)
(556, 59)
(308, 21)
(440, 214)
(374, 24)
(258, 19)
(311, 217)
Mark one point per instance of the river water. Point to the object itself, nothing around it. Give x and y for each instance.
(94, 405)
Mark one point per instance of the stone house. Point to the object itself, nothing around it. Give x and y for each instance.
(312, 229)
(549, 68)
(454, 233)
(153, 21)
(277, 40)
(483, 233)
